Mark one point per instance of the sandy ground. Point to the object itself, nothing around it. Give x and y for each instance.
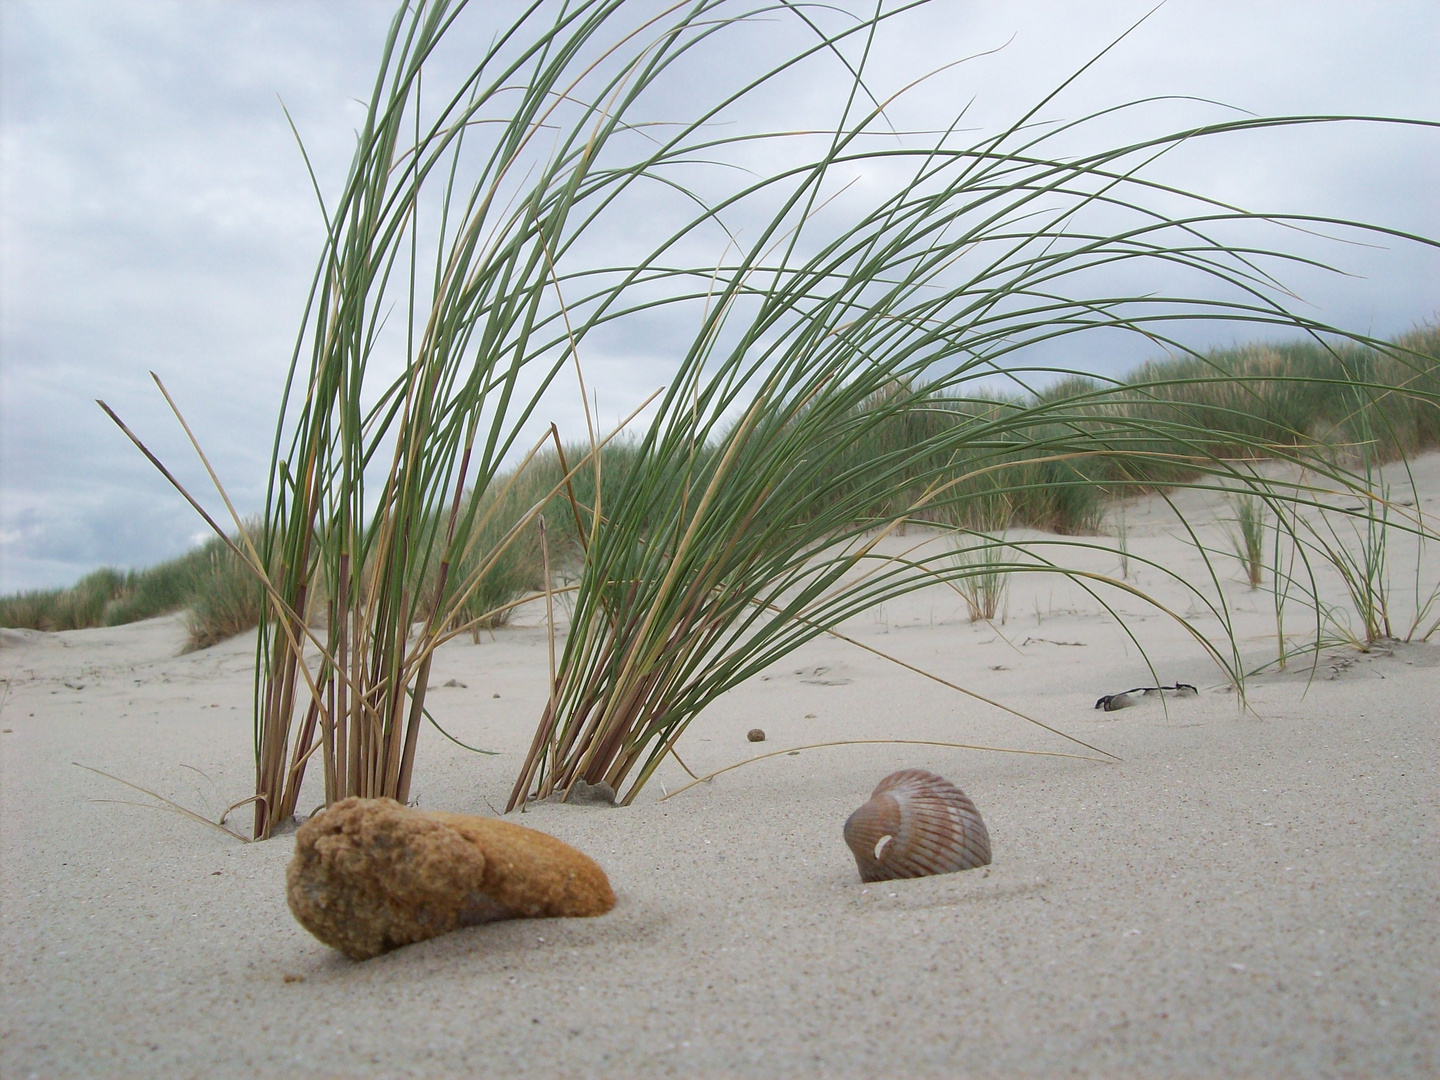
(1247, 893)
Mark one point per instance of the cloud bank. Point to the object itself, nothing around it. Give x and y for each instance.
(156, 213)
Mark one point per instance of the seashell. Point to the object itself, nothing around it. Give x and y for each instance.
(916, 824)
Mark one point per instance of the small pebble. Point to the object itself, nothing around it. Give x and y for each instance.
(755, 735)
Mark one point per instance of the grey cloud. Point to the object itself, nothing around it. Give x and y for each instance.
(156, 214)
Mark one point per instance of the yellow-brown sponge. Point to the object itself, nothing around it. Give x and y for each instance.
(370, 875)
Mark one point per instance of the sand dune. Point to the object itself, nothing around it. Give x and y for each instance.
(1246, 892)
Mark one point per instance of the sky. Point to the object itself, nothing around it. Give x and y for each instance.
(155, 212)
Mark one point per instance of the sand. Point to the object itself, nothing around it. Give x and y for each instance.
(1245, 893)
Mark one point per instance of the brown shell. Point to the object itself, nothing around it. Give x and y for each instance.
(916, 824)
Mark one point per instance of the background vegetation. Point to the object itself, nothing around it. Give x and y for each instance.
(221, 597)
(1286, 395)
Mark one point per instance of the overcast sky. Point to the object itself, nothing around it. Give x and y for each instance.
(155, 213)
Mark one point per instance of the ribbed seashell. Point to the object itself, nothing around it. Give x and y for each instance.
(916, 824)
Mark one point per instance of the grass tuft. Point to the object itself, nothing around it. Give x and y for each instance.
(227, 602)
(833, 383)
(1247, 535)
(982, 576)
(109, 597)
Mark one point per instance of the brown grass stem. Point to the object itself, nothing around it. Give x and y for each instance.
(168, 804)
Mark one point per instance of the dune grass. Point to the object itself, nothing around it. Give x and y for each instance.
(1247, 535)
(75, 608)
(466, 210)
(851, 365)
(982, 578)
(227, 601)
(829, 387)
(109, 597)
(823, 394)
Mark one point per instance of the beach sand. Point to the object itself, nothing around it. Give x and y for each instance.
(1247, 892)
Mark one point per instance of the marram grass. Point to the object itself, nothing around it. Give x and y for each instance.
(746, 528)
(110, 597)
(831, 387)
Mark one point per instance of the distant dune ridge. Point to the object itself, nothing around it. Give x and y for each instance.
(1277, 403)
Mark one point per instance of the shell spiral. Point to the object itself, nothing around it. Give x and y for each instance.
(916, 824)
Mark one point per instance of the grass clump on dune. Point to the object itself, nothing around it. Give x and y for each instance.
(80, 606)
(1256, 401)
(852, 362)
(469, 210)
(1326, 397)
(830, 383)
(227, 601)
(109, 597)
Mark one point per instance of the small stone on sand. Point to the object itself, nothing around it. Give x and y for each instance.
(755, 734)
(370, 875)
